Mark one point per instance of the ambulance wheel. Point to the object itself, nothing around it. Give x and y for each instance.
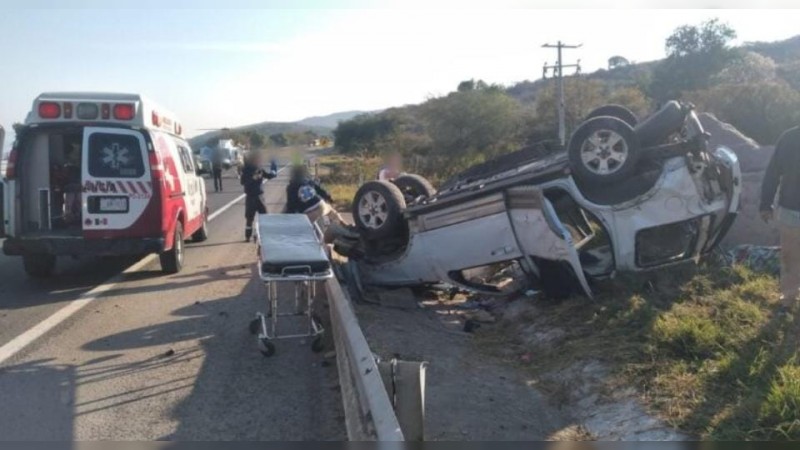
(202, 234)
(38, 265)
(266, 347)
(317, 345)
(172, 260)
(255, 326)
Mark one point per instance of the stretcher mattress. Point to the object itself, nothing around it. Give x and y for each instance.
(288, 245)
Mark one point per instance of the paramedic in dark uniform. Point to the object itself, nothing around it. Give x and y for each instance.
(253, 176)
(305, 196)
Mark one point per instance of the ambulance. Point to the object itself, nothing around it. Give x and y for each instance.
(98, 174)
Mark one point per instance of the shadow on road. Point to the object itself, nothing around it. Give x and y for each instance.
(237, 393)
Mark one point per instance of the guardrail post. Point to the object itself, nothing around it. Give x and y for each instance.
(405, 384)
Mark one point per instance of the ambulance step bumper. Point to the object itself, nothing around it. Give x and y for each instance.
(77, 246)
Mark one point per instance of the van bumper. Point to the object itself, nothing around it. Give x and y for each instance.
(78, 246)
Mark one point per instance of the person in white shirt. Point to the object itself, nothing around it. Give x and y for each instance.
(392, 167)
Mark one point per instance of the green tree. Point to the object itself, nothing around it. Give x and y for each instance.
(617, 61)
(581, 95)
(695, 53)
(471, 126)
(748, 67)
(761, 110)
(256, 140)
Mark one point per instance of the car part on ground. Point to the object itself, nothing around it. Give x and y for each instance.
(378, 209)
(618, 111)
(603, 150)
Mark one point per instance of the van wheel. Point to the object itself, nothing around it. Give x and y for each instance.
(603, 150)
(172, 260)
(414, 186)
(378, 209)
(620, 112)
(38, 265)
(201, 234)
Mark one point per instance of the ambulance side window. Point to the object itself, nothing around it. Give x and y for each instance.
(186, 159)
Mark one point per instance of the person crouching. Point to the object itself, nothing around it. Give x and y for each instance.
(306, 196)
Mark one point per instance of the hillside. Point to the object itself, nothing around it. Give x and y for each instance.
(315, 125)
(331, 120)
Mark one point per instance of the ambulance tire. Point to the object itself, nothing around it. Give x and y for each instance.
(201, 235)
(39, 265)
(172, 259)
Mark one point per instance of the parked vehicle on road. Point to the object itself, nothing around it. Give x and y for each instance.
(202, 160)
(624, 196)
(101, 174)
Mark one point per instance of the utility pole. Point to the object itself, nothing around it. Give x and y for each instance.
(558, 71)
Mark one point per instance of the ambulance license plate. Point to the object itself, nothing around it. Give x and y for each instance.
(113, 204)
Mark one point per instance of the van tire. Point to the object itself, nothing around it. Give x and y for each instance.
(414, 186)
(39, 265)
(613, 145)
(620, 112)
(378, 210)
(201, 235)
(172, 260)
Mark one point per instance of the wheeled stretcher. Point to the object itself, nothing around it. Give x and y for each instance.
(289, 251)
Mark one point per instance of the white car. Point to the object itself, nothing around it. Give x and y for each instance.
(625, 196)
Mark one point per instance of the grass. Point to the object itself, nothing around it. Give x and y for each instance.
(702, 344)
(341, 176)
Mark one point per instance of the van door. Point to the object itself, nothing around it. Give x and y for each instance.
(540, 233)
(194, 188)
(116, 178)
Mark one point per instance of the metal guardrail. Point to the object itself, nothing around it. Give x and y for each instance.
(368, 410)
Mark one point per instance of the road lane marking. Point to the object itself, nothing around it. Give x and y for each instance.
(16, 345)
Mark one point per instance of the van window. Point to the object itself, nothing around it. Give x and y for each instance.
(115, 156)
(186, 159)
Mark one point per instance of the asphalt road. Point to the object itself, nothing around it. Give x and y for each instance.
(161, 357)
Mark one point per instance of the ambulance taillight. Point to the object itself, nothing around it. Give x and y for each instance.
(49, 110)
(124, 111)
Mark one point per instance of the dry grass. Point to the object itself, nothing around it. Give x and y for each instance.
(341, 176)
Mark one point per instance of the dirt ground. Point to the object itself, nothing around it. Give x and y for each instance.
(470, 395)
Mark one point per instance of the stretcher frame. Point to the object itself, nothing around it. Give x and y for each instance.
(265, 325)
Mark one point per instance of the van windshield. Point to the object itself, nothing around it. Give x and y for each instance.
(115, 156)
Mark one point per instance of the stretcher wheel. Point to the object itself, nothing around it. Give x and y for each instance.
(255, 326)
(316, 344)
(266, 348)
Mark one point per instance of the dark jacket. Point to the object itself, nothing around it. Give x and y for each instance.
(252, 177)
(304, 194)
(783, 171)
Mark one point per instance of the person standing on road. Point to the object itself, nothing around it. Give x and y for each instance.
(217, 160)
(783, 176)
(253, 177)
(392, 167)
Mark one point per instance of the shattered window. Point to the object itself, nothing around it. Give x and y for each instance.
(667, 243)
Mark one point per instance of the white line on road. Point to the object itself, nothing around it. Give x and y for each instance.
(14, 346)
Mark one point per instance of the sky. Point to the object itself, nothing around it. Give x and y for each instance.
(228, 67)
